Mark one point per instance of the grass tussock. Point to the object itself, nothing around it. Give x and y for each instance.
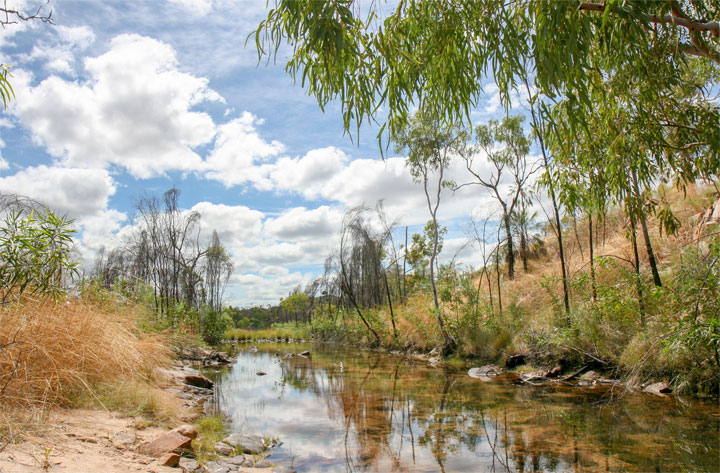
(262, 334)
(65, 353)
(211, 430)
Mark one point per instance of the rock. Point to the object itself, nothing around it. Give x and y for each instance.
(261, 373)
(252, 349)
(188, 465)
(238, 460)
(224, 449)
(247, 443)
(305, 353)
(169, 459)
(124, 440)
(249, 463)
(220, 357)
(282, 469)
(553, 373)
(485, 372)
(590, 375)
(170, 442)
(658, 389)
(198, 381)
(262, 464)
(187, 430)
(216, 467)
(514, 360)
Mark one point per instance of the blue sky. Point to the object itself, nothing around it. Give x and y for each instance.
(124, 97)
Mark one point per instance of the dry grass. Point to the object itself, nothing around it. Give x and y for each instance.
(53, 353)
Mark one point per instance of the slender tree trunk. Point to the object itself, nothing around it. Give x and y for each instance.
(510, 250)
(638, 281)
(497, 271)
(592, 258)
(523, 247)
(405, 265)
(392, 314)
(577, 237)
(646, 236)
(551, 188)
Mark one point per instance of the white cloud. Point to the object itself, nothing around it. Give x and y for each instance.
(309, 174)
(301, 224)
(59, 53)
(75, 191)
(236, 225)
(239, 153)
(134, 112)
(199, 7)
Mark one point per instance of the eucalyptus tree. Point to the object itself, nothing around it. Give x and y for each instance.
(217, 269)
(436, 55)
(429, 148)
(506, 148)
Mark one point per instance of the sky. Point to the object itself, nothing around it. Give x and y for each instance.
(123, 98)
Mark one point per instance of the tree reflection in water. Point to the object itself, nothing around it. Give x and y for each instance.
(392, 414)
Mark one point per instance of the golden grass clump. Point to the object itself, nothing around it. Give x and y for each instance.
(52, 353)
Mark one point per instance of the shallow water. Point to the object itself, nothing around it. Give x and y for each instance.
(344, 410)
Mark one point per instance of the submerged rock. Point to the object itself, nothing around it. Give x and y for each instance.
(486, 372)
(247, 443)
(658, 389)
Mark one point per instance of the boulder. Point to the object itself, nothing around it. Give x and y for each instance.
(169, 459)
(590, 375)
(246, 443)
(198, 381)
(224, 449)
(305, 353)
(262, 464)
(187, 430)
(658, 389)
(261, 373)
(170, 442)
(188, 465)
(485, 372)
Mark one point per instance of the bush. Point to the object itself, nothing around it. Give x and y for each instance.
(34, 253)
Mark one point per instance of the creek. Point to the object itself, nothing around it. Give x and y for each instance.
(346, 410)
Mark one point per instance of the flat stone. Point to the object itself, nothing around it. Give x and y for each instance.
(261, 373)
(658, 389)
(246, 443)
(169, 459)
(216, 467)
(187, 430)
(485, 372)
(263, 464)
(188, 465)
(170, 442)
(237, 460)
(224, 449)
(198, 381)
(590, 375)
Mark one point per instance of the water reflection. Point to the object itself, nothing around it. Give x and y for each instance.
(341, 410)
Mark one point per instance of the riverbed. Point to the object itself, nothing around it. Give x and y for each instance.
(345, 410)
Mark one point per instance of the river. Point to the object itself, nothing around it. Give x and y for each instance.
(346, 410)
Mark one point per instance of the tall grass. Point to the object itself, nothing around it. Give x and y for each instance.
(54, 353)
(267, 333)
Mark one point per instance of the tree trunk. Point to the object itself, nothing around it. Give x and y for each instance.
(392, 314)
(646, 236)
(510, 252)
(592, 258)
(638, 282)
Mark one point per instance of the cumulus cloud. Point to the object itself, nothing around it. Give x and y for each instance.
(133, 112)
(239, 154)
(300, 223)
(309, 174)
(76, 191)
(236, 225)
(59, 52)
(198, 7)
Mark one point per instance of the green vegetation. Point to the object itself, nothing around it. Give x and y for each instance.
(621, 101)
(211, 430)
